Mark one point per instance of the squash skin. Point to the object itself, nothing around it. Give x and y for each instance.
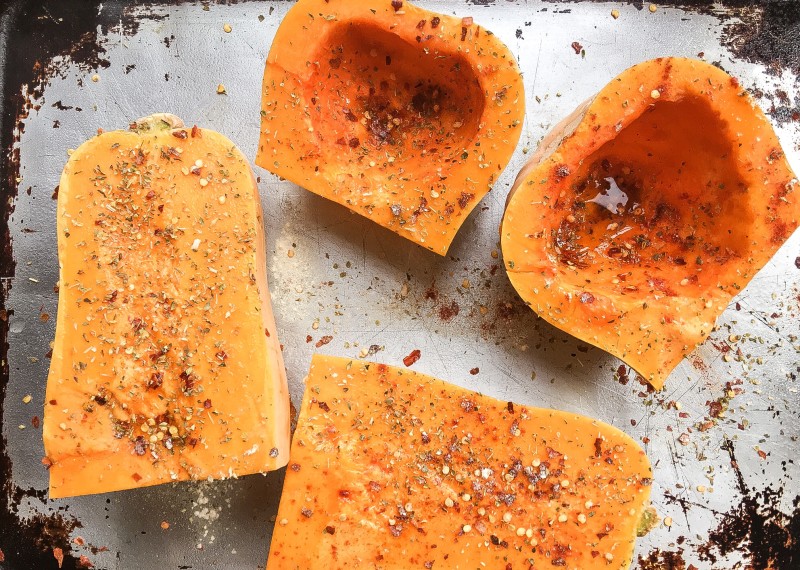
(652, 311)
(373, 438)
(413, 141)
(122, 412)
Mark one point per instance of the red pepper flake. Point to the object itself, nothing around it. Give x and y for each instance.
(84, 562)
(586, 298)
(435, 22)
(323, 341)
(181, 134)
(474, 371)
(465, 199)
(622, 374)
(2, 555)
(196, 132)
(139, 445)
(447, 312)
(136, 477)
(207, 404)
(330, 530)
(354, 142)
(797, 262)
(156, 379)
(35, 422)
(466, 21)
(421, 24)
(295, 467)
(397, 4)
(58, 554)
(577, 47)
(413, 356)
(762, 454)
(426, 439)
(510, 408)
(309, 338)
(222, 355)
(187, 381)
(324, 406)
(598, 447)
(306, 512)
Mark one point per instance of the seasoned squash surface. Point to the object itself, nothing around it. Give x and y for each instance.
(166, 365)
(393, 469)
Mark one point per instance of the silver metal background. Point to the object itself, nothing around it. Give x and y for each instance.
(347, 274)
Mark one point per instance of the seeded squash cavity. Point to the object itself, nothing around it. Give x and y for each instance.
(403, 115)
(643, 213)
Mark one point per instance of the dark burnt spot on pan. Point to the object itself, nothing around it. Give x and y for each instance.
(763, 32)
(758, 528)
(659, 559)
(42, 40)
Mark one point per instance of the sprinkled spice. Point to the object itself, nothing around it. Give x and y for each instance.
(473, 480)
(412, 357)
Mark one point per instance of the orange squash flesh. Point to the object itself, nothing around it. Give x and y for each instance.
(166, 365)
(403, 115)
(393, 469)
(643, 213)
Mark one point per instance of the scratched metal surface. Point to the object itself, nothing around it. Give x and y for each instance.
(364, 286)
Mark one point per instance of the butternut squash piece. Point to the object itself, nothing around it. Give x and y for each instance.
(393, 469)
(644, 212)
(401, 114)
(166, 365)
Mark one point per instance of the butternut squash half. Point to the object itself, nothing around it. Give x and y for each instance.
(166, 364)
(403, 115)
(644, 212)
(393, 469)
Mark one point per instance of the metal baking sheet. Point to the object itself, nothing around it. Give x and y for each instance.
(722, 435)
